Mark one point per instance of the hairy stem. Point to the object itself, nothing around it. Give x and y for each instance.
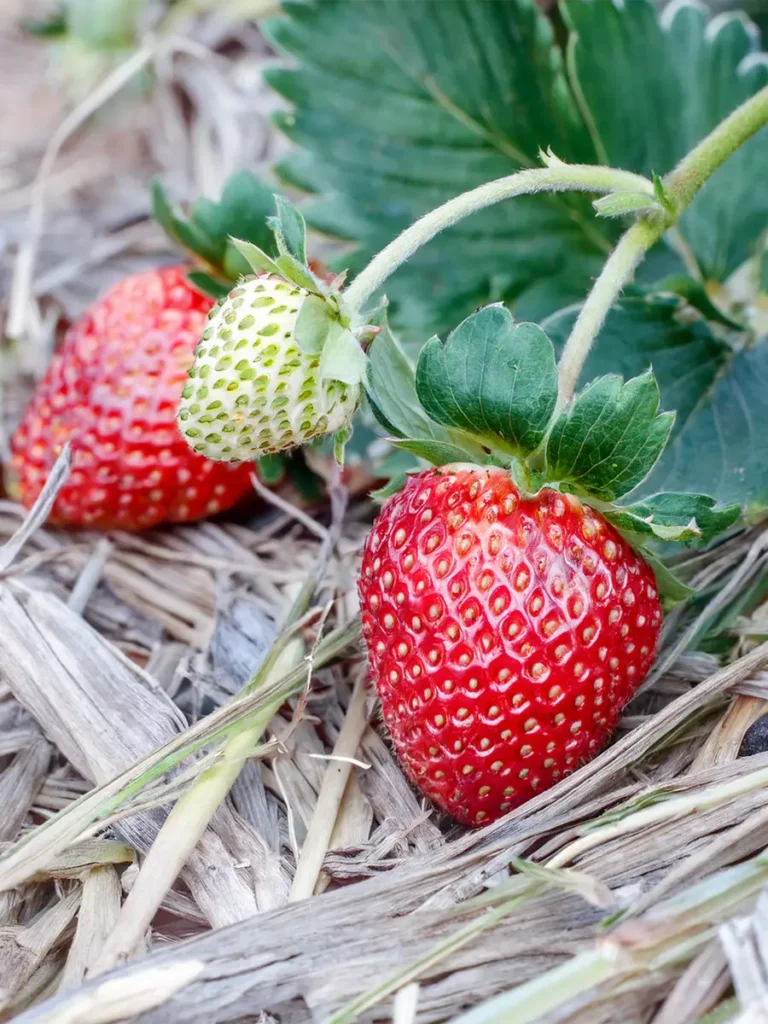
(618, 269)
(697, 167)
(557, 178)
(681, 186)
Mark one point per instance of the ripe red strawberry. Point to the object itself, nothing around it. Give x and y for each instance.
(504, 635)
(113, 389)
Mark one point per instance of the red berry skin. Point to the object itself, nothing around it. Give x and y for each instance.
(504, 635)
(112, 390)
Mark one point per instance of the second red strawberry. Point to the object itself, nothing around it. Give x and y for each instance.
(112, 391)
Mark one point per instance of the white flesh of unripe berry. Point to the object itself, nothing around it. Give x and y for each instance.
(252, 390)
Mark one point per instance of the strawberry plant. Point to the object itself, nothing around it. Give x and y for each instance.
(512, 586)
(511, 596)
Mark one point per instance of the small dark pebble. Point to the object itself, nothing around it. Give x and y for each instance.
(755, 738)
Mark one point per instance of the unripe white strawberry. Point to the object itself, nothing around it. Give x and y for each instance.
(253, 391)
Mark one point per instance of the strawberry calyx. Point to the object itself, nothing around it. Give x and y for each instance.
(252, 230)
(322, 326)
(488, 395)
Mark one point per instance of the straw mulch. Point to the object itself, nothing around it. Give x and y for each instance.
(115, 648)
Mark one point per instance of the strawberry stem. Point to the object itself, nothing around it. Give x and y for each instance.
(682, 184)
(559, 177)
(679, 187)
(618, 270)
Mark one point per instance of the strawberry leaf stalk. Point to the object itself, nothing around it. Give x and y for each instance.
(510, 603)
(280, 362)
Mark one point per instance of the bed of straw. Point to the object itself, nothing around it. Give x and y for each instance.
(324, 888)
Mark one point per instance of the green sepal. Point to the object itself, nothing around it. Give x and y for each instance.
(271, 469)
(661, 193)
(390, 388)
(340, 439)
(298, 273)
(617, 204)
(438, 453)
(397, 483)
(314, 321)
(342, 358)
(610, 438)
(256, 258)
(310, 486)
(289, 229)
(290, 234)
(234, 265)
(674, 517)
(527, 481)
(492, 379)
(209, 285)
(672, 590)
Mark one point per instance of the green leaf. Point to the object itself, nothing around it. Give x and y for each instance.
(439, 453)
(674, 517)
(209, 285)
(387, 130)
(610, 438)
(257, 259)
(313, 324)
(491, 379)
(342, 358)
(671, 590)
(717, 445)
(686, 75)
(617, 204)
(289, 229)
(52, 27)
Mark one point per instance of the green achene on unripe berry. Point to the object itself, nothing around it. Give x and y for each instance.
(252, 390)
